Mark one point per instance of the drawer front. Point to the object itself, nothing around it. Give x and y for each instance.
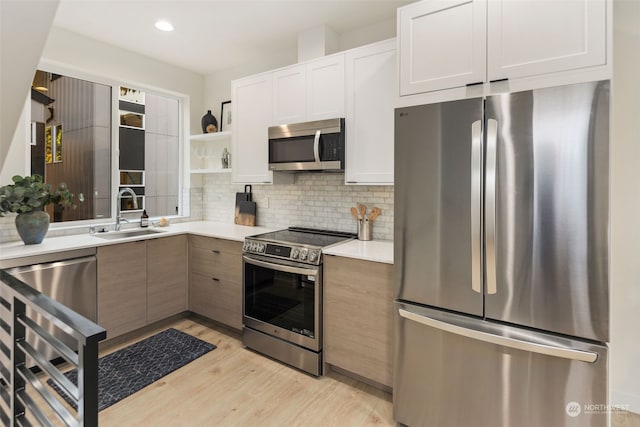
(221, 265)
(217, 299)
(213, 244)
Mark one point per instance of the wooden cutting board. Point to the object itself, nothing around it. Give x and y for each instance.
(245, 208)
(246, 213)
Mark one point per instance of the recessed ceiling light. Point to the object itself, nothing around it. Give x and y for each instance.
(163, 25)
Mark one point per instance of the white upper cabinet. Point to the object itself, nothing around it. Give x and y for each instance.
(252, 104)
(325, 88)
(450, 44)
(310, 91)
(528, 38)
(289, 95)
(442, 45)
(370, 85)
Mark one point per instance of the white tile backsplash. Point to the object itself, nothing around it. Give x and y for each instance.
(316, 200)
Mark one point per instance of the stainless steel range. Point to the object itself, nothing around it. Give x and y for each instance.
(282, 294)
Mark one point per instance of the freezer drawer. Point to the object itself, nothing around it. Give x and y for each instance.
(453, 370)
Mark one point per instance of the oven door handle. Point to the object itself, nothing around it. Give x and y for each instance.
(281, 267)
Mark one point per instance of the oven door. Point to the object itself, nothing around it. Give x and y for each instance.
(283, 300)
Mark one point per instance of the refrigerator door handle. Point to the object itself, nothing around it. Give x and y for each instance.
(533, 347)
(476, 189)
(490, 205)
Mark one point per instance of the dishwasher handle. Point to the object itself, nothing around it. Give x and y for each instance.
(50, 265)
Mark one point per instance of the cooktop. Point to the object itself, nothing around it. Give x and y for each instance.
(306, 236)
(295, 243)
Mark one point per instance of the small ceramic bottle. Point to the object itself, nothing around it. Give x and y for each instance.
(209, 123)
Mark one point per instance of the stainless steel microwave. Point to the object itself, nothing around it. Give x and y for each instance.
(307, 146)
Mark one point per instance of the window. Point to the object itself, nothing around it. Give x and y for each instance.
(145, 150)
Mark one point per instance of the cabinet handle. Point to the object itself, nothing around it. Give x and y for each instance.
(215, 251)
(215, 279)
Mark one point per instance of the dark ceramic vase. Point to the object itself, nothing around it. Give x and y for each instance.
(32, 226)
(209, 123)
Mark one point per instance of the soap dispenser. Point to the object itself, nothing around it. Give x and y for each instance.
(144, 219)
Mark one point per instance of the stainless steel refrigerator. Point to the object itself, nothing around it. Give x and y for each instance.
(501, 260)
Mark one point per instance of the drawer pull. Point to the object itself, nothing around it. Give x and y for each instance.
(215, 251)
(215, 279)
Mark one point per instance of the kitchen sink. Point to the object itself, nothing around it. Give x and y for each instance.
(112, 235)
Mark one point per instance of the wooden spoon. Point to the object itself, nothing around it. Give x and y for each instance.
(354, 212)
(375, 213)
(363, 210)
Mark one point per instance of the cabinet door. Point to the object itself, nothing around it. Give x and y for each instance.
(289, 95)
(442, 44)
(325, 88)
(122, 287)
(534, 37)
(358, 317)
(166, 277)
(251, 118)
(371, 82)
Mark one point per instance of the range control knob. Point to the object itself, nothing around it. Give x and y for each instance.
(303, 254)
(295, 253)
(313, 256)
(261, 247)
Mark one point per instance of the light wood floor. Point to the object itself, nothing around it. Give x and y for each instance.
(233, 386)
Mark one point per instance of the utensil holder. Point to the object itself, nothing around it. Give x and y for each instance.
(365, 230)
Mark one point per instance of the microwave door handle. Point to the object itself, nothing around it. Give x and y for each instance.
(316, 146)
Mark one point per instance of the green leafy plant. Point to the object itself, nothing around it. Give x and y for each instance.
(31, 193)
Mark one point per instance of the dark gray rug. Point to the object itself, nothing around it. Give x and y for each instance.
(132, 368)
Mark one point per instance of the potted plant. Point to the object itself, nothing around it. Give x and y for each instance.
(27, 197)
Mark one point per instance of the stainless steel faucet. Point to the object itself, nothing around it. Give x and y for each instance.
(135, 205)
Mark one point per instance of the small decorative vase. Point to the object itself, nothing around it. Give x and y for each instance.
(209, 123)
(32, 226)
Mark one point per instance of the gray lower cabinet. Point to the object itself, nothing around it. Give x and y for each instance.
(122, 287)
(215, 279)
(358, 317)
(166, 277)
(141, 282)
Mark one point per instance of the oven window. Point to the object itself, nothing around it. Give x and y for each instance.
(281, 299)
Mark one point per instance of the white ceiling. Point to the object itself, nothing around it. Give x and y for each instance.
(213, 34)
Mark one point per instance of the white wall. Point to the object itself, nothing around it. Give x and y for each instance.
(23, 29)
(625, 208)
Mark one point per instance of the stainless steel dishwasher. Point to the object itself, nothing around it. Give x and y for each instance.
(68, 277)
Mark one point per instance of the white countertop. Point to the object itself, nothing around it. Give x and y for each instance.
(373, 250)
(369, 250)
(49, 245)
